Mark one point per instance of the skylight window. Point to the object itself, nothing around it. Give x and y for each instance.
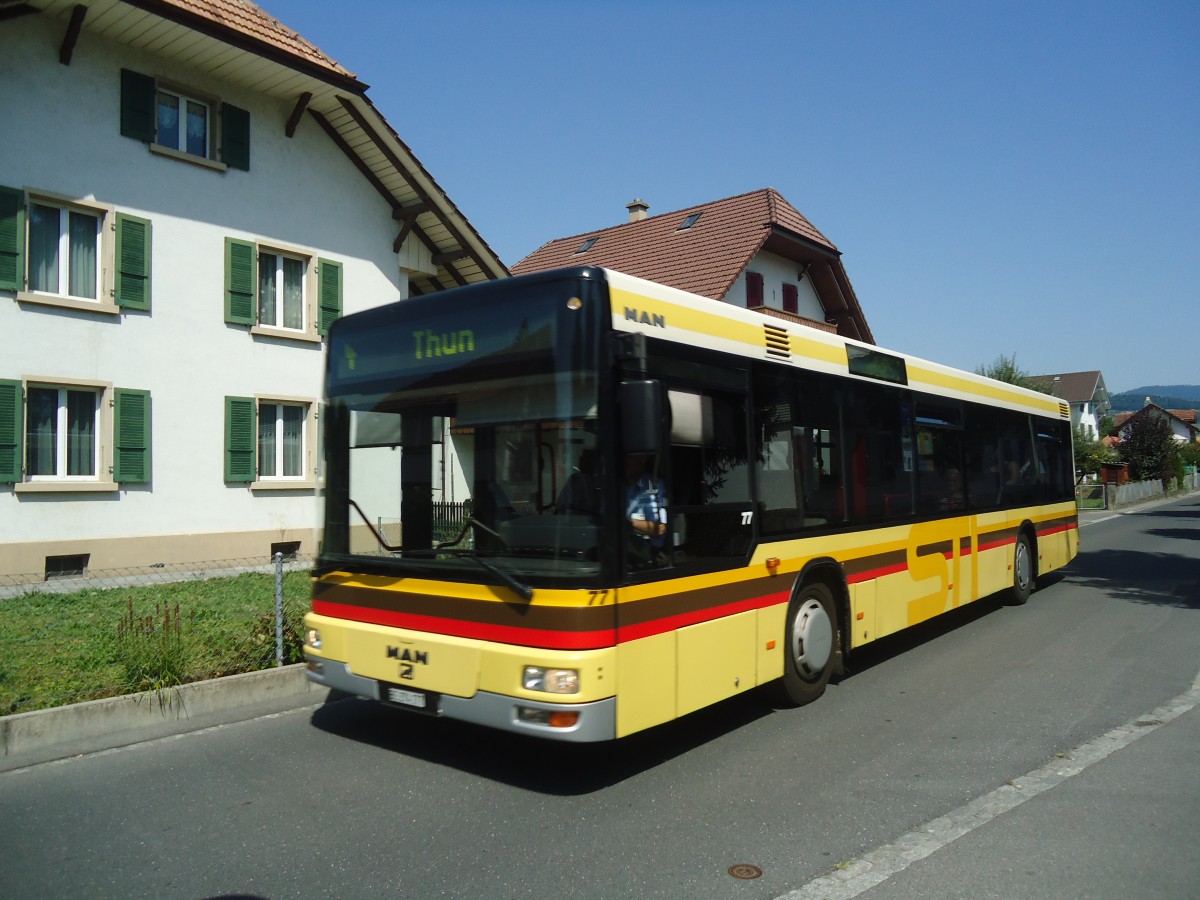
(689, 222)
(586, 245)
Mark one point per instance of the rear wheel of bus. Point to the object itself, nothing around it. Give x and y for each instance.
(1024, 570)
(811, 651)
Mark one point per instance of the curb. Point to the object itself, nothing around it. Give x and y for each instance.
(35, 732)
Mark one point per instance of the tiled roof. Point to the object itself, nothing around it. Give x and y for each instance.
(251, 20)
(1074, 387)
(706, 258)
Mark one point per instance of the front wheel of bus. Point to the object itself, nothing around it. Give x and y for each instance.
(811, 650)
(1024, 574)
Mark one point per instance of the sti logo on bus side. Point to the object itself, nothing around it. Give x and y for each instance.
(429, 345)
(645, 318)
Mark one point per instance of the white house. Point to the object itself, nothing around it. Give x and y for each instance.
(1085, 392)
(189, 194)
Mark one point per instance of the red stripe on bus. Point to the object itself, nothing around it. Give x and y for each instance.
(670, 623)
(542, 638)
(501, 634)
(872, 574)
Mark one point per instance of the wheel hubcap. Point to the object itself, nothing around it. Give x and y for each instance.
(812, 639)
(1023, 566)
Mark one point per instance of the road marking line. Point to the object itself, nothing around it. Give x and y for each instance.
(884, 862)
(1098, 521)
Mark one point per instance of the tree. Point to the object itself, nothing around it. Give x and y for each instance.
(1150, 449)
(1089, 452)
(1005, 368)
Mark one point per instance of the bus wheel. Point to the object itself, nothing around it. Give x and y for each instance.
(1023, 570)
(810, 653)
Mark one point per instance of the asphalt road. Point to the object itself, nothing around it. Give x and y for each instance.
(1050, 750)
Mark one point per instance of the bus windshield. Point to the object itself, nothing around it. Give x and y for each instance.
(452, 431)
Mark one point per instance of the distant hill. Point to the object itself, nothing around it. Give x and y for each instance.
(1170, 396)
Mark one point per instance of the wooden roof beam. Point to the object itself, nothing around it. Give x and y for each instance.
(387, 151)
(67, 49)
(297, 112)
(371, 177)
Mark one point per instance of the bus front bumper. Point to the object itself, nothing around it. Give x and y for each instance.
(597, 721)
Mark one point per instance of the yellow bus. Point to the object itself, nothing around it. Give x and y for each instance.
(578, 504)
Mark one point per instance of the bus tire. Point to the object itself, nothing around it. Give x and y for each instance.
(810, 637)
(1024, 570)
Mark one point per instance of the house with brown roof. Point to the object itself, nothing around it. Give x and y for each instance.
(190, 193)
(1084, 391)
(755, 250)
(1182, 422)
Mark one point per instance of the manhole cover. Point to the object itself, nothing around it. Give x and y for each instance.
(745, 870)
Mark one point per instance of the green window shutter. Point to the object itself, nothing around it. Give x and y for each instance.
(241, 280)
(133, 262)
(137, 105)
(235, 137)
(240, 426)
(12, 239)
(10, 432)
(131, 437)
(329, 293)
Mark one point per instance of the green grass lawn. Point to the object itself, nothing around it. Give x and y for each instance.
(64, 648)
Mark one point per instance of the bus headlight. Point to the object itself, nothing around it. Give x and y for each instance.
(312, 638)
(552, 681)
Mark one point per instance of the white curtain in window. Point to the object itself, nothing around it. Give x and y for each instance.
(43, 248)
(267, 414)
(197, 128)
(41, 431)
(293, 441)
(82, 257)
(168, 120)
(267, 263)
(81, 436)
(293, 293)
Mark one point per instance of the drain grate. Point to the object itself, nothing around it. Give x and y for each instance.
(745, 871)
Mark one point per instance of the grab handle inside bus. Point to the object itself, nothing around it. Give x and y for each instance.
(642, 412)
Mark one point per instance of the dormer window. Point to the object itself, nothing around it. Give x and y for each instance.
(586, 245)
(689, 222)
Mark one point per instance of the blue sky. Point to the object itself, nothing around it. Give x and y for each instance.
(1001, 178)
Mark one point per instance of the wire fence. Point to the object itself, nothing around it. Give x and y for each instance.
(103, 633)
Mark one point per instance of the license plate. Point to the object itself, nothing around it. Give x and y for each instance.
(408, 699)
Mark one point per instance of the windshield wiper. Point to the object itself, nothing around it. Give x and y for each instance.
(518, 587)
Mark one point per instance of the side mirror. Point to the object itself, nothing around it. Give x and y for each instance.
(642, 416)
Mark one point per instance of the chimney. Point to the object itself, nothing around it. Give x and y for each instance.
(637, 210)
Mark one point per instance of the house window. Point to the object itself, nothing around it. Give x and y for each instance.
(791, 298)
(60, 432)
(280, 293)
(754, 289)
(73, 435)
(269, 441)
(64, 252)
(689, 222)
(281, 440)
(182, 123)
(281, 290)
(64, 255)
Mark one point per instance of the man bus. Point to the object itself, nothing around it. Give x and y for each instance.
(815, 494)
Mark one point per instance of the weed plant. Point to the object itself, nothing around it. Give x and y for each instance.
(65, 648)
